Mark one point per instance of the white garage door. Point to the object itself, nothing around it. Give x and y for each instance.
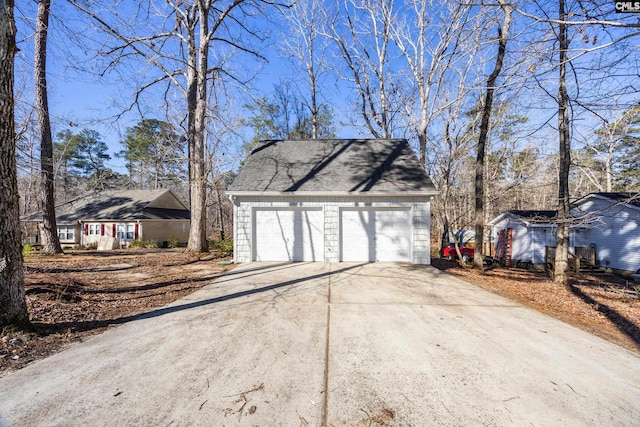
(376, 234)
(288, 235)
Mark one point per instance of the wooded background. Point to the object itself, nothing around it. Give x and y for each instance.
(228, 73)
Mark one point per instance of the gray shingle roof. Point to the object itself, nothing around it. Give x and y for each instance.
(623, 197)
(129, 205)
(536, 216)
(340, 165)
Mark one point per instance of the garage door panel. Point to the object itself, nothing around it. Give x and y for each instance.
(288, 235)
(376, 234)
(357, 235)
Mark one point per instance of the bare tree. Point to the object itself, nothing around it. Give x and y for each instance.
(27, 158)
(13, 308)
(579, 86)
(305, 45)
(362, 35)
(604, 151)
(49, 229)
(452, 130)
(179, 52)
(503, 35)
(564, 203)
(430, 38)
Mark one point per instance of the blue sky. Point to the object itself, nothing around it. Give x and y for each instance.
(82, 100)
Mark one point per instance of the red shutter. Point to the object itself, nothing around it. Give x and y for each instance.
(136, 235)
(114, 230)
(86, 229)
(102, 229)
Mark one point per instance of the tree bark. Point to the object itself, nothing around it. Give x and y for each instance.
(311, 72)
(13, 308)
(49, 229)
(562, 248)
(503, 34)
(198, 95)
(220, 211)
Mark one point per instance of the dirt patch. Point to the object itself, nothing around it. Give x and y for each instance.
(73, 296)
(605, 305)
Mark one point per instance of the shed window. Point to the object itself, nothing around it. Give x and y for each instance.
(66, 233)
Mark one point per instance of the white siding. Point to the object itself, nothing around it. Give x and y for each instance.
(615, 232)
(538, 243)
(419, 218)
(528, 241)
(521, 243)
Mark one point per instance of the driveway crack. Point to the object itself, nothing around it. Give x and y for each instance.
(325, 403)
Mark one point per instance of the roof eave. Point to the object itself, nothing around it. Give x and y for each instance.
(604, 198)
(428, 193)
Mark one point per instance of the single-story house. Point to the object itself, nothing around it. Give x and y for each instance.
(332, 200)
(612, 228)
(115, 218)
(522, 235)
(605, 225)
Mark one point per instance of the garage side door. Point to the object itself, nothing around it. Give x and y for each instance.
(288, 235)
(376, 234)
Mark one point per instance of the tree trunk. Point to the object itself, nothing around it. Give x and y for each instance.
(562, 248)
(13, 308)
(198, 188)
(220, 212)
(503, 33)
(609, 169)
(422, 141)
(49, 229)
(312, 82)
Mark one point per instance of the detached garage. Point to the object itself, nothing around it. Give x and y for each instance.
(332, 201)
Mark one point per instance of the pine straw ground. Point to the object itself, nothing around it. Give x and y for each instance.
(74, 296)
(605, 305)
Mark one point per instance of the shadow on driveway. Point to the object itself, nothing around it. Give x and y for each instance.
(85, 326)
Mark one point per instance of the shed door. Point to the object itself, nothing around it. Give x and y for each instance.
(288, 234)
(376, 234)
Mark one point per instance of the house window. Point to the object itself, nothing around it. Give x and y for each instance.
(126, 231)
(66, 233)
(94, 229)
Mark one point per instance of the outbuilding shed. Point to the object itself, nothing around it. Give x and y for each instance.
(332, 200)
(522, 235)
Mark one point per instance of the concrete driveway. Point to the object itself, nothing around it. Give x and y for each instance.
(312, 344)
